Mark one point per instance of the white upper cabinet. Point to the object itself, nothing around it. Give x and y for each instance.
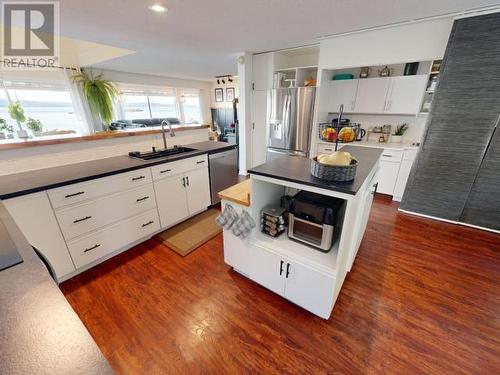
(262, 71)
(371, 95)
(405, 94)
(342, 92)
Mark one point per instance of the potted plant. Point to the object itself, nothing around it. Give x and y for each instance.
(5, 128)
(397, 137)
(16, 111)
(35, 126)
(99, 93)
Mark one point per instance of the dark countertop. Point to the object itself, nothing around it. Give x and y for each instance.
(18, 184)
(296, 169)
(39, 331)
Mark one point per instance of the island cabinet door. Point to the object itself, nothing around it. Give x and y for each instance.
(268, 269)
(171, 200)
(311, 289)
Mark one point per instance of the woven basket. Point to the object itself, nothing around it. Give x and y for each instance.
(334, 172)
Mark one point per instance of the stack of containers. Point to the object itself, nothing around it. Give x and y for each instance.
(272, 220)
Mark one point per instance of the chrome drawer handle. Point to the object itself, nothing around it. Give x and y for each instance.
(388, 156)
(166, 170)
(142, 199)
(92, 248)
(138, 178)
(148, 223)
(199, 162)
(82, 219)
(74, 194)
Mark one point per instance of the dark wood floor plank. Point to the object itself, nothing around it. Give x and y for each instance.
(423, 297)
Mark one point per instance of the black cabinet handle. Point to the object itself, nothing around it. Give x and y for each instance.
(375, 190)
(82, 219)
(387, 155)
(74, 194)
(287, 270)
(92, 248)
(142, 199)
(184, 181)
(138, 178)
(148, 223)
(281, 267)
(199, 162)
(166, 170)
(187, 180)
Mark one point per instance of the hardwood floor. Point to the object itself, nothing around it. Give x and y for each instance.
(423, 298)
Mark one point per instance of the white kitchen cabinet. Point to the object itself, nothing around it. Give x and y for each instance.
(325, 148)
(197, 190)
(301, 287)
(404, 173)
(259, 123)
(371, 95)
(237, 251)
(34, 216)
(268, 269)
(342, 92)
(387, 176)
(262, 71)
(405, 94)
(171, 200)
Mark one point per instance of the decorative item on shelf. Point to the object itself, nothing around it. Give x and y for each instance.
(397, 137)
(343, 76)
(411, 69)
(6, 130)
(219, 95)
(16, 112)
(311, 81)
(365, 72)
(273, 220)
(340, 166)
(100, 94)
(382, 133)
(385, 72)
(35, 126)
(229, 94)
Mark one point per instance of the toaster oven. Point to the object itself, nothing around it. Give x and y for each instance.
(314, 219)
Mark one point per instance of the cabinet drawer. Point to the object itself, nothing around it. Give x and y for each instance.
(392, 155)
(92, 247)
(83, 191)
(176, 167)
(86, 217)
(326, 148)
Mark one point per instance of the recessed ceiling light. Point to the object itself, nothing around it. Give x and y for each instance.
(158, 8)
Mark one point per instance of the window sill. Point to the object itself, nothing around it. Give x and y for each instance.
(94, 137)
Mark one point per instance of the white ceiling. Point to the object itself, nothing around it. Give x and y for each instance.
(200, 38)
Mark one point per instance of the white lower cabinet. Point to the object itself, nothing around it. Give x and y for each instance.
(268, 269)
(90, 248)
(387, 176)
(236, 250)
(183, 195)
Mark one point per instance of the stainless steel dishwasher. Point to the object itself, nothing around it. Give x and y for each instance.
(223, 171)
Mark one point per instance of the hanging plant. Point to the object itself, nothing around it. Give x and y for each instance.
(99, 93)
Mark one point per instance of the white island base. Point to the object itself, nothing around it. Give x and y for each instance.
(305, 276)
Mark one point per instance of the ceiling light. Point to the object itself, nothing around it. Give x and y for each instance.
(223, 82)
(158, 8)
(230, 79)
(218, 82)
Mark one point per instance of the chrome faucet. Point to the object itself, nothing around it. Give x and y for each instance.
(172, 133)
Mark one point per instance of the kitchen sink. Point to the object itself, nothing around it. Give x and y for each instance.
(157, 154)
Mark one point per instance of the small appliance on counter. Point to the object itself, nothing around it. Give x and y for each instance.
(273, 220)
(315, 219)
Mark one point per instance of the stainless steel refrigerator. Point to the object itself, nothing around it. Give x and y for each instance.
(290, 118)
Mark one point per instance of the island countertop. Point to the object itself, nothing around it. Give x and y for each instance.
(39, 331)
(298, 170)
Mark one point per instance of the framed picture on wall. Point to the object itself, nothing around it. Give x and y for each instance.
(229, 94)
(219, 95)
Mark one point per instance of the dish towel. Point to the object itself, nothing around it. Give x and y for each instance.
(244, 225)
(228, 217)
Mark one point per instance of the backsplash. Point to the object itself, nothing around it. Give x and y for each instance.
(26, 159)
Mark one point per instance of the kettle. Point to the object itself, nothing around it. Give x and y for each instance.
(360, 133)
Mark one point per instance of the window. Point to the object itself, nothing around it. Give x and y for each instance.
(192, 107)
(135, 106)
(163, 106)
(51, 104)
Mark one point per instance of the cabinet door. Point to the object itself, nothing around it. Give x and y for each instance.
(198, 190)
(342, 92)
(406, 94)
(309, 288)
(259, 121)
(387, 176)
(268, 269)
(171, 200)
(371, 95)
(262, 71)
(236, 250)
(403, 174)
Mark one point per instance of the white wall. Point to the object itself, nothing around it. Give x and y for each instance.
(245, 113)
(419, 41)
(26, 159)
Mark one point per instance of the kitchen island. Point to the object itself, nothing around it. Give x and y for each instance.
(300, 273)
